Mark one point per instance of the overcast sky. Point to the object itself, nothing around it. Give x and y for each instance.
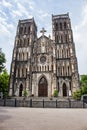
(13, 10)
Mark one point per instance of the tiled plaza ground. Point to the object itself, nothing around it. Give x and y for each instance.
(42, 119)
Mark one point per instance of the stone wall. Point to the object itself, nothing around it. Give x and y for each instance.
(42, 103)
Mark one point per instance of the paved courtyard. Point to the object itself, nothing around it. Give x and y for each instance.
(42, 119)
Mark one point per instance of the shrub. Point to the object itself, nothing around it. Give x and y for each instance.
(55, 94)
(77, 95)
(25, 93)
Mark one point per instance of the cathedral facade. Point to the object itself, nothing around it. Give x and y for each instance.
(42, 65)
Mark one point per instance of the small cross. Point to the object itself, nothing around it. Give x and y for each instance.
(43, 31)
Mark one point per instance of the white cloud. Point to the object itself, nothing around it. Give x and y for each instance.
(3, 14)
(20, 11)
(5, 3)
(16, 13)
(21, 8)
(80, 35)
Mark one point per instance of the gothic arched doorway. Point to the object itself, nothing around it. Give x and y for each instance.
(43, 87)
(20, 90)
(64, 90)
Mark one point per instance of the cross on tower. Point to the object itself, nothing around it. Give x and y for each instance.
(43, 31)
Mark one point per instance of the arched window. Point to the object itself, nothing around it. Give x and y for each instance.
(45, 68)
(62, 53)
(18, 43)
(65, 25)
(25, 30)
(52, 67)
(60, 26)
(61, 39)
(37, 68)
(58, 71)
(28, 41)
(22, 72)
(68, 70)
(57, 53)
(58, 87)
(18, 72)
(66, 39)
(48, 67)
(63, 70)
(27, 55)
(56, 26)
(26, 72)
(52, 58)
(70, 85)
(29, 30)
(57, 38)
(40, 68)
(20, 30)
(24, 41)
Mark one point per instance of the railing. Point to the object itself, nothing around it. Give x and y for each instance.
(42, 103)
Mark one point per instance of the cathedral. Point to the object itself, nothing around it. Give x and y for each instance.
(41, 65)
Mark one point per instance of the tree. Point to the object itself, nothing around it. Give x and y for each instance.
(83, 90)
(4, 79)
(2, 61)
(84, 84)
(83, 80)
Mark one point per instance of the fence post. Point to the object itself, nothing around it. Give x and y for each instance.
(4, 101)
(69, 103)
(56, 103)
(30, 102)
(15, 102)
(43, 103)
(83, 104)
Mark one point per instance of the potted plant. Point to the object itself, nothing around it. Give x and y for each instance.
(55, 94)
(25, 93)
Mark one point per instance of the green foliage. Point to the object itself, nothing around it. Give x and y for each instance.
(83, 80)
(4, 79)
(55, 94)
(25, 93)
(77, 95)
(84, 84)
(2, 61)
(83, 90)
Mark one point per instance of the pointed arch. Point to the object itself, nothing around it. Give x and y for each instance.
(20, 90)
(60, 26)
(43, 87)
(64, 90)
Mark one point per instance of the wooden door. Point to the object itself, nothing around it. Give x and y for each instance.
(43, 87)
(20, 90)
(64, 90)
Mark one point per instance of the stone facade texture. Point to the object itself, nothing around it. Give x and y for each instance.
(42, 65)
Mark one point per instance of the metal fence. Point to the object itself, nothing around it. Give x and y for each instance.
(42, 103)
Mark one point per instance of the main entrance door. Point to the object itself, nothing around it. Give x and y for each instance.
(20, 90)
(43, 87)
(64, 90)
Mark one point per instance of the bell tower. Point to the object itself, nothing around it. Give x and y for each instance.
(21, 72)
(66, 61)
